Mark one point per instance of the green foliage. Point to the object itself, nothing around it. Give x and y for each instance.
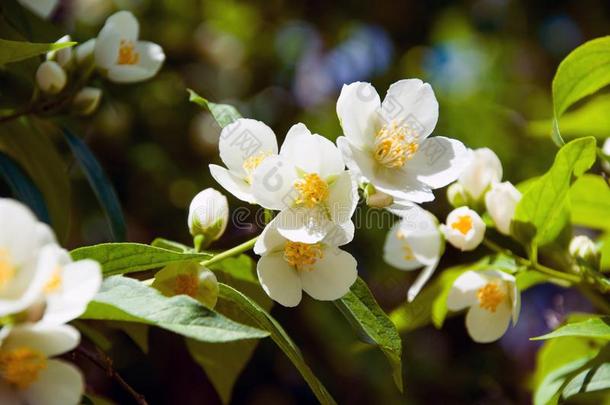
(592, 376)
(373, 325)
(101, 185)
(125, 299)
(543, 210)
(122, 258)
(224, 114)
(583, 72)
(590, 202)
(14, 51)
(263, 320)
(595, 327)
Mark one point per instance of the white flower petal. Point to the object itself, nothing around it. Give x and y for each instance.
(129, 73)
(358, 108)
(59, 383)
(279, 280)
(311, 153)
(18, 225)
(107, 50)
(306, 225)
(331, 276)
(485, 326)
(123, 23)
(273, 183)
(270, 240)
(411, 102)
(421, 280)
(463, 293)
(233, 184)
(483, 169)
(397, 252)
(342, 198)
(245, 138)
(51, 340)
(439, 161)
(340, 235)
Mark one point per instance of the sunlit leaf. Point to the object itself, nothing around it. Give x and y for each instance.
(592, 376)
(14, 51)
(590, 202)
(224, 114)
(595, 327)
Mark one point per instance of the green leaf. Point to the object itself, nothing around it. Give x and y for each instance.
(590, 202)
(583, 72)
(14, 51)
(171, 245)
(29, 144)
(22, 187)
(373, 325)
(263, 320)
(595, 327)
(126, 299)
(101, 185)
(544, 206)
(122, 258)
(224, 114)
(593, 376)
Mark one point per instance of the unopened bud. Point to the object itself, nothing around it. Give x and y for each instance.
(379, 199)
(62, 56)
(87, 100)
(457, 196)
(50, 77)
(583, 248)
(84, 51)
(208, 215)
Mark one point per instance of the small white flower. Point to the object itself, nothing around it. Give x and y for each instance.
(243, 146)
(28, 374)
(412, 243)
(287, 268)
(583, 248)
(501, 202)
(387, 143)
(208, 214)
(42, 8)
(309, 183)
(119, 53)
(22, 239)
(492, 298)
(484, 169)
(87, 100)
(606, 150)
(62, 56)
(464, 228)
(50, 77)
(84, 51)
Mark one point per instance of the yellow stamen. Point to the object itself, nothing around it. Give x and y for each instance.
(7, 270)
(187, 284)
(302, 255)
(20, 367)
(405, 246)
(490, 296)
(127, 53)
(395, 144)
(463, 224)
(54, 282)
(312, 190)
(251, 163)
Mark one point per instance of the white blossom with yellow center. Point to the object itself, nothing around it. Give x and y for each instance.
(387, 143)
(121, 56)
(412, 243)
(288, 268)
(492, 299)
(244, 145)
(464, 228)
(308, 182)
(29, 374)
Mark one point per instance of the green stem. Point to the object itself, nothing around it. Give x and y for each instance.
(231, 252)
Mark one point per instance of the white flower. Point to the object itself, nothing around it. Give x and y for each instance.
(583, 248)
(22, 240)
(84, 51)
(42, 8)
(464, 228)
(492, 298)
(412, 243)
(62, 56)
(387, 143)
(87, 100)
(208, 214)
(321, 269)
(120, 55)
(606, 151)
(50, 77)
(69, 287)
(309, 183)
(501, 202)
(243, 146)
(484, 169)
(28, 374)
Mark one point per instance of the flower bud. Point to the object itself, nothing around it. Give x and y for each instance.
(379, 199)
(87, 100)
(483, 170)
(464, 228)
(50, 77)
(501, 202)
(62, 56)
(583, 248)
(456, 195)
(84, 51)
(190, 279)
(606, 151)
(208, 215)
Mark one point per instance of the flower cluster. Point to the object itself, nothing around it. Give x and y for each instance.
(117, 54)
(41, 289)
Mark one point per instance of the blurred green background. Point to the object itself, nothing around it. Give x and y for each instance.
(490, 63)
